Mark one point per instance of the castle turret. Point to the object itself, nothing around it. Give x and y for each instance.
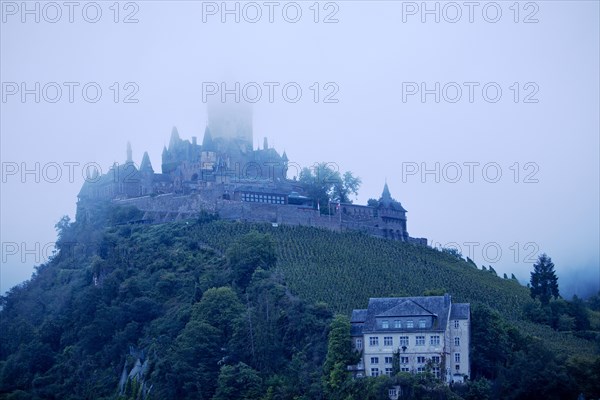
(129, 153)
(147, 175)
(393, 216)
(231, 121)
(265, 144)
(146, 165)
(174, 139)
(207, 142)
(386, 196)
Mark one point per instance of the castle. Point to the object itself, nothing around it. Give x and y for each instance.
(227, 176)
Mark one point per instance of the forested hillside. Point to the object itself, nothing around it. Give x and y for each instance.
(208, 309)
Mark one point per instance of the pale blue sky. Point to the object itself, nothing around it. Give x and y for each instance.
(368, 55)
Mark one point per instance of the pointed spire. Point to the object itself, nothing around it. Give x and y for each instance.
(174, 138)
(386, 195)
(284, 157)
(265, 144)
(146, 165)
(207, 142)
(129, 157)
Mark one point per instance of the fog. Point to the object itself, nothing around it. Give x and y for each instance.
(484, 123)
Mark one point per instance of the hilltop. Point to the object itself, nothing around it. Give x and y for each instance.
(131, 301)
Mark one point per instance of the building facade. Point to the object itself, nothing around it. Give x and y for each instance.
(413, 334)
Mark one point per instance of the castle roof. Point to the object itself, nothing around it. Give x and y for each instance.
(207, 142)
(146, 165)
(387, 201)
(174, 138)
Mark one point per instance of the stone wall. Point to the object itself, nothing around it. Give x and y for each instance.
(173, 207)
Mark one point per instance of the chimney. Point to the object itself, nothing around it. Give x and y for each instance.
(447, 299)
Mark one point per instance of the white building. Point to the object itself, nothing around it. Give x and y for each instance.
(425, 333)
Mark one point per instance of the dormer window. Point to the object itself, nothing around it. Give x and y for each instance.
(410, 324)
(385, 324)
(397, 324)
(421, 323)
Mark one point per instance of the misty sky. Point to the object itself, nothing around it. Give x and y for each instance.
(371, 62)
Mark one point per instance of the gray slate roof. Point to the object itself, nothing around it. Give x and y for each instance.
(460, 311)
(358, 316)
(435, 306)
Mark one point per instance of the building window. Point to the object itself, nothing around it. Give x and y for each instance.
(403, 341)
(420, 341)
(374, 371)
(405, 369)
(457, 341)
(385, 324)
(403, 360)
(434, 340)
(457, 357)
(392, 392)
(420, 370)
(389, 360)
(397, 324)
(409, 324)
(374, 360)
(420, 359)
(388, 341)
(457, 367)
(456, 324)
(358, 344)
(388, 371)
(435, 359)
(373, 341)
(360, 364)
(436, 372)
(421, 323)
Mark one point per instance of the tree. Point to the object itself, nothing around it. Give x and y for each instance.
(348, 185)
(220, 307)
(452, 251)
(324, 183)
(238, 382)
(245, 255)
(544, 282)
(339, 356)
(373, 203)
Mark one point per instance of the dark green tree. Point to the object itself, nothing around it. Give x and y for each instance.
(544, 282)
(238, 382)
(245, 255)
(324, 183)
(339, 356)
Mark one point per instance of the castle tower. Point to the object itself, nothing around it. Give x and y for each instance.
(386, 196)
(146, 165)
(147, 175)
(174, 141)
(129, 153)
(228, 121)
(207, 141)
(393, 216)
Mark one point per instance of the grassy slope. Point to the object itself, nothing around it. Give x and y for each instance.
(344, 270)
